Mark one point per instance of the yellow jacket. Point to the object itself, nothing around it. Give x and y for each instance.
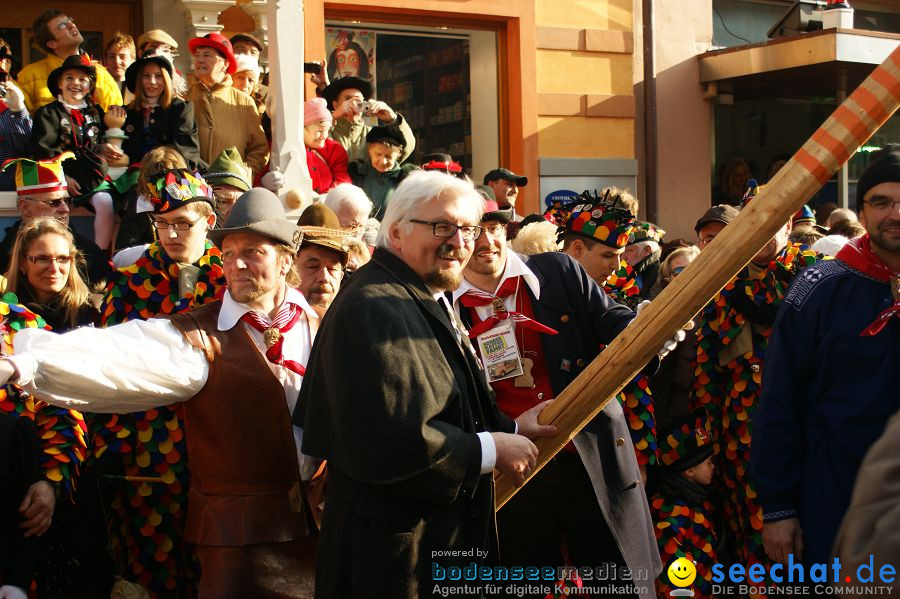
(228, 117)
(32, 81)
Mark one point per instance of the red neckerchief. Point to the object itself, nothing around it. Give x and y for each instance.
(287, 316)
(858, 254)
(474, 298)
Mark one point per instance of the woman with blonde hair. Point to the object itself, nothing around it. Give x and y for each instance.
(44, 275)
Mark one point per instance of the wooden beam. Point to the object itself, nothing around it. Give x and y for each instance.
(854, 121)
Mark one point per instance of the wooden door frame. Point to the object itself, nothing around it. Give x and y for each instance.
(513, 20)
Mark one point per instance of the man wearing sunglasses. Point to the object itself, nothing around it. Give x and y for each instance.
(58, 36)
(42, 191)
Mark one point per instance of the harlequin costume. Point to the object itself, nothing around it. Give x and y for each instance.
(830, 385)
(62, 432)
(732, 337)
(679, 506)
(150, 505)
(646, 272)
(607, 221)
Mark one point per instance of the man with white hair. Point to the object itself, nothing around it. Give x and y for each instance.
(352, 207)
(411, 486)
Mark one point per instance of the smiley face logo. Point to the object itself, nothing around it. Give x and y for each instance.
(682, 572)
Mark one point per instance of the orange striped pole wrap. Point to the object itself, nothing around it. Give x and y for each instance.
(854, 122)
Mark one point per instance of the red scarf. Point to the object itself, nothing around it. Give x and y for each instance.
(858, 254)
(287, 316)
(474, 298)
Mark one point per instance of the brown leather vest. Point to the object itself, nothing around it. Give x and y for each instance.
(243, 459)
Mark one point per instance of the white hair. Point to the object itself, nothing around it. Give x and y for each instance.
(247, 62)
(350, 196)
(420, 188)
(535, 238)
(648, 243)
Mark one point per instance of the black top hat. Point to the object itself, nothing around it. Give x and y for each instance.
(131, 72)
(332, 92)
(81, 62)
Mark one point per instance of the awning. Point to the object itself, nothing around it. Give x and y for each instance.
(822, 63)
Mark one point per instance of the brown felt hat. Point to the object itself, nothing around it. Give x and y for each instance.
(320, 226)
(259, 211)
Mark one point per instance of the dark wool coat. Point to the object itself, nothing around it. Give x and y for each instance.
(174, 126)
(393, 402)
(584, 317)
(54, 132)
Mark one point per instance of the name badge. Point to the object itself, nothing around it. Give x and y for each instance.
(500, 352)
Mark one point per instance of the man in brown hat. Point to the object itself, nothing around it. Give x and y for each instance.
(322, 256)
(237, 365)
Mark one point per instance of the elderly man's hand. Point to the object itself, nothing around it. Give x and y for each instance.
(530, 427)
(782, 538)
(382, 111)
(37, 508)
(516, 456)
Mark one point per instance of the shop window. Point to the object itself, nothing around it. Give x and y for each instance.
(423, 77)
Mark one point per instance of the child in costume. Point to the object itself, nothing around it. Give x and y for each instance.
(679, 505)
(73, 124)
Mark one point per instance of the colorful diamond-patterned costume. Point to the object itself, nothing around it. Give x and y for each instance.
(733, 332)
(678, 505)
(684, 530)
(62, 432)
(149, 506)
(636, 398)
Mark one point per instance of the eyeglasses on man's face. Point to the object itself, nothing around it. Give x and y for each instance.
(882, 203)
(54, 204)
(64, 24)
(161, 225)
(448, 230)
(44, 260)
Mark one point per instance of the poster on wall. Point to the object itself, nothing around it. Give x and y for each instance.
(351, 54)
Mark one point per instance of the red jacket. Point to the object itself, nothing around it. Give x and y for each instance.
(327, 166)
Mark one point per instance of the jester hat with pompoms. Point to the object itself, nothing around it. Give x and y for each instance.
(176, 188)
(605, 219)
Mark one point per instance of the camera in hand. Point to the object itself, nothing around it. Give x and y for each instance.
(311, 67)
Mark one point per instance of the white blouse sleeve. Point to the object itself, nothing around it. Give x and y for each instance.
(129, 367)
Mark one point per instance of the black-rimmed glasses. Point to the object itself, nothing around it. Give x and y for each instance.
(448, 230)
(161, 225)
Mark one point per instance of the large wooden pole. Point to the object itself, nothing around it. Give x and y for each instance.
(854, 121)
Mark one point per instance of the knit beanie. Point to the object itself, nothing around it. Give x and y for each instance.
(316, 110)
(883, 168)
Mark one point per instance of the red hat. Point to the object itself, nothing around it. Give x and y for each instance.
(220, 44)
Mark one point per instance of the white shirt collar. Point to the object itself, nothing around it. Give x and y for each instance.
(232, 311)
(515, 267)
